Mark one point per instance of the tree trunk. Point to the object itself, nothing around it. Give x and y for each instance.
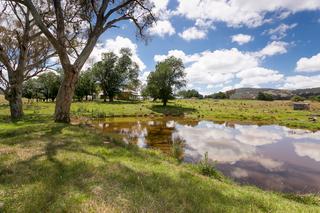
(104, 96)
(14, 96)
(165, 102)
(65, 95)
(110, 98)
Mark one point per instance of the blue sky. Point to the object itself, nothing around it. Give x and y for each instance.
(229, 44)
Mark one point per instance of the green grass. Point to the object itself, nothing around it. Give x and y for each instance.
(49, 167)
(243, 111)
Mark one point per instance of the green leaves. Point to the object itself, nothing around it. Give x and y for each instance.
(116, 73)
(168, 76)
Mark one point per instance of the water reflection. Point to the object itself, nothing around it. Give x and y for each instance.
(271, 157)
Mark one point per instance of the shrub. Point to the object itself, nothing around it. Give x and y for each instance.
(177, 148)
(264, 96)
(315, 98)
(297, 98)
(208, 169)
(98, 114)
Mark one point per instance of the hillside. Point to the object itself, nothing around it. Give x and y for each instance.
(281, 94)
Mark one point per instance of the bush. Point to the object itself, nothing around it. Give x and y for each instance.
(297, 98)
(219, 95)
(207, 168)
(264, 97)
(177, 148)
(315, 98)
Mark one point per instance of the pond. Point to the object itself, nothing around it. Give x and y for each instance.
(271, 157)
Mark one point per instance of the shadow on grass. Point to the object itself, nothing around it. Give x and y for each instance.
(117, 102)
(72, 169)
(173, 110)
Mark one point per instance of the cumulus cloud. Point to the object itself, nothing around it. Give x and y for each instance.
(220, 67)
(162, 28)
(237, 13)
(178, 54)
(114, 45)
(193, 33)
(241, 38)
(280, 32)
(257, 76)
(309, 64)
(301, 82)
(273, 48)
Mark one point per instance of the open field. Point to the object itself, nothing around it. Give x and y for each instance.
(49, 167)
(260, 112)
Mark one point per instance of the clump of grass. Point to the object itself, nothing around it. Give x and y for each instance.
(98, 114)
(207, 168)
(81, 110)
(177, 149)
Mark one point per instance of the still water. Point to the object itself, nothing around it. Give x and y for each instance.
(271, 157)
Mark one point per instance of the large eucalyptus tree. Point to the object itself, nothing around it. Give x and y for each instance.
(24, 52)
(73, 28)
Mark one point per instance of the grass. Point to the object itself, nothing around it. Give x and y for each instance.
(50, 167)
(245, 111)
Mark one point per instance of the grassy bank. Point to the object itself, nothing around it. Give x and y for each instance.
(49, 167)
(260, 112)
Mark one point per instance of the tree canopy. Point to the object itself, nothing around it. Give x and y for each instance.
(86, 85)
(44, 87)
(115, 73)
(73, 29)
(24, 52)
(190, 94)
(168, 76)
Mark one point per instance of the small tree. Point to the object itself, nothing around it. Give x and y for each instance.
(264, 96)
(49, 83)
(190, 94)
(169, 75)
(86, 85)
(32, 89)
(219, 95)
(297, 98)
(115, 73)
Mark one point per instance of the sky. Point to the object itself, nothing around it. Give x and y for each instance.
(227, 44)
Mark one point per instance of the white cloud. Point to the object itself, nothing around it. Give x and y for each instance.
(273, 48)
(162, 28)
(144, 76)
(160, 5)
(114, 45)
(241, 38)
(301, 82)
(193, 33)
(310, 150)
(280, 32)
(219, 66)
(257, 76)
(178, 54)
(251, 13)
(309, 64)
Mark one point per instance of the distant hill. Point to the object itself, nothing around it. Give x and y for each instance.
(280, 94)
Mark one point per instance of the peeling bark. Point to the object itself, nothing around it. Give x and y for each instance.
(64, 97)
